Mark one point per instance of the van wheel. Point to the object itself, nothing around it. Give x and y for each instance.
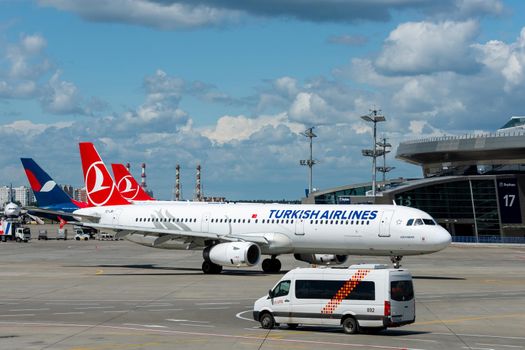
(350, 325)
(267, 321)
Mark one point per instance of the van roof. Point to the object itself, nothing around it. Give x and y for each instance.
(369, 266)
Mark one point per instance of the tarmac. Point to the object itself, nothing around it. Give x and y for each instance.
(98, 295)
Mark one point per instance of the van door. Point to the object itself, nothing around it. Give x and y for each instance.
(280, 300)
(402, 301)
(384, 224)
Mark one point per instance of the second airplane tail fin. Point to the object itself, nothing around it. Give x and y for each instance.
(100, 187)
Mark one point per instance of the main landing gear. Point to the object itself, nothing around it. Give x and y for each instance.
(396, 260)
(272, 265)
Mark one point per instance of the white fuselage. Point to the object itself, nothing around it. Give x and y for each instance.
(319, 229)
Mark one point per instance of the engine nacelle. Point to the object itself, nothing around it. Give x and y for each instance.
(233, 254)
(322, 259)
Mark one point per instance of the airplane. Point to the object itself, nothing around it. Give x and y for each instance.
(237, 234)
(127, 185)
(51, 198)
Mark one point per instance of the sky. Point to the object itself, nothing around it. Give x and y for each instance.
(231, 84)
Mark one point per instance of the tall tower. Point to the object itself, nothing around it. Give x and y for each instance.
(143, 177)
(198, 192)
(176, 190)
(128, 167)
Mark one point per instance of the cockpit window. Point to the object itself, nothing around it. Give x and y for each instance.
(410, 222)
(418, 222)
(429, 222)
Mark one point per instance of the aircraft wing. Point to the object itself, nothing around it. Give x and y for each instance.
(63, 214)
(165, 235)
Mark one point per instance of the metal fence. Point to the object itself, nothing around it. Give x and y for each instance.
(488, 239)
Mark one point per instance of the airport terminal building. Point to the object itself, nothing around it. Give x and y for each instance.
(473, 185)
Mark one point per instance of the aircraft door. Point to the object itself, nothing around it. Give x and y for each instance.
(384, 224)
(205, 223)
(299, 227)
(114, 217)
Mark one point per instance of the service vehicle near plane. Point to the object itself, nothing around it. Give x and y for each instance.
(361, 297)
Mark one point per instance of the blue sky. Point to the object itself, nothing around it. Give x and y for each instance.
(231, 84)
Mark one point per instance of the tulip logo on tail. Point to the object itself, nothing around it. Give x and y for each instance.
(126, 189)
(98, 187)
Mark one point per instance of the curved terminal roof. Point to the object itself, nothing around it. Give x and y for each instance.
(497, 148)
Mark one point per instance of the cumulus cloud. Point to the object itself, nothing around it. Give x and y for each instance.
(505, 59)
(61, 97)
(425, 47)
(183, 14)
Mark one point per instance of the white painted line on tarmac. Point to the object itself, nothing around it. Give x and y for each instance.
(153, 305)
(145, 325)
(229, 303)
(19, 315)
(214, 308)
(480, 336)
(29, 309)
(506, 346)
(245, 318)
(69, 313)
(176, 320)
(470, 348)
(208, 335)
(115, 311)
(73, 304)
(94, 307)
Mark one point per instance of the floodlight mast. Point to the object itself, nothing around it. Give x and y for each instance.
(373, 117)
(384, 169)
(309, 162)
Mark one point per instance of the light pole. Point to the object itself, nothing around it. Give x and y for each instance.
(309, 162)
(384, 169)
(373, 117)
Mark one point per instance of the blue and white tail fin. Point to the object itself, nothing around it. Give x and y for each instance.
(47, 193)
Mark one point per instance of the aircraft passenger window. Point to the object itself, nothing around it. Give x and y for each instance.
(368, 222)
(347, 222)
(243, 221)
(256, 220)
(429, 222)
(248, 220)
(291, 221)
(418, 222)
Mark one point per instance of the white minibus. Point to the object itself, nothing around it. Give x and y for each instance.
(361, 297)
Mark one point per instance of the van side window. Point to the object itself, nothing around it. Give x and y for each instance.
(319, 289)
(401, 290)
(281, 289)
(410, 222)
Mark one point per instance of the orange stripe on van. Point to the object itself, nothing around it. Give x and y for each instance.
(344, 291)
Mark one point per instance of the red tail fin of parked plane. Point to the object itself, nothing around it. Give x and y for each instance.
(127, 185)
(100, 187)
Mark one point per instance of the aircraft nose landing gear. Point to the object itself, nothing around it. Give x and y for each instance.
(396, 260)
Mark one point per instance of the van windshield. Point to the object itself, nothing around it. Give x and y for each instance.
(401, 290)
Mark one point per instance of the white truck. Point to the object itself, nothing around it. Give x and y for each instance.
(23, 234)
(361, 297)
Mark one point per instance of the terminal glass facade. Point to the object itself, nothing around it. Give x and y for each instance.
(464, 200)
(333, 197)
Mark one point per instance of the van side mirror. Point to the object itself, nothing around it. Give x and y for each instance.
(270, 293)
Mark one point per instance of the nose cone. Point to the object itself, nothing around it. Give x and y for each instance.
(441, 238)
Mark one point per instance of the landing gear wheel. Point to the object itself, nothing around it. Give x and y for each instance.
(350, 325)
(267, 321)
(396, 260)
(271, 265)
(210, 268)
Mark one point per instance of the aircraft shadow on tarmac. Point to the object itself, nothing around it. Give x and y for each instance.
(439, 278)
(153, 267)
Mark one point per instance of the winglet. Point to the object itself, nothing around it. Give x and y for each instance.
(100, 187)
(127, 185)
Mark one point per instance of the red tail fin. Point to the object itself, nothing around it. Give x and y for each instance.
(127, 185)
(100, 187)
(62, 222)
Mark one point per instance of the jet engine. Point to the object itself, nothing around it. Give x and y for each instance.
(233, 254)
(322, 259)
